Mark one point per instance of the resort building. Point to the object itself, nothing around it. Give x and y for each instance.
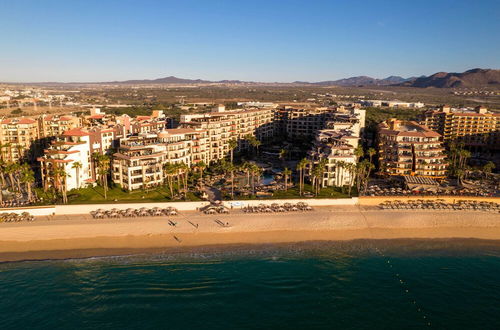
(139, 162)
(18, 139)
(223, 126)
(407, 148)
(72, 152)
(335, 145)
(303, 123)
(477, 129)
(55, 125)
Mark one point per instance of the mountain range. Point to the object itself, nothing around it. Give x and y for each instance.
(469, 79)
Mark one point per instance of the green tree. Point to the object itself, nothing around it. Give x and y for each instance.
(488, 168)
(301, 166)
(233, 143)
(169, 170)
(77, 166)
(371, 152)
(28, 178)
(286, 173)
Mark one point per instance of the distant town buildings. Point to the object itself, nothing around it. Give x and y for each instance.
(392, 104)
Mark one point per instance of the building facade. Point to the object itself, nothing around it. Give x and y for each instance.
(72, 151)
(335, 144)
(478, 129)
(18, 139)
(408, 148)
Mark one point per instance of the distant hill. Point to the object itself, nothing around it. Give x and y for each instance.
(363, 81)
(166, 80)
(472, 78)
(353, 81)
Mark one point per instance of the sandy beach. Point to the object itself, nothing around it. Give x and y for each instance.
(74, 236)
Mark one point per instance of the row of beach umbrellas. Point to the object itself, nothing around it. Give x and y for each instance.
(132, 212)
(275, 207)
(14, 217)
(440, 205)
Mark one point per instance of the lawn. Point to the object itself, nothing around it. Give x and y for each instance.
(95, 195)
(116, 194)
(328, 192)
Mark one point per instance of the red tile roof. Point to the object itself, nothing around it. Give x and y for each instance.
(76, 132)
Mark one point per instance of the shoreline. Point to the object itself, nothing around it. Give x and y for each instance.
(80, 237)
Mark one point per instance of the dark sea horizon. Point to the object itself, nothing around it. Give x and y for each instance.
(363, 284)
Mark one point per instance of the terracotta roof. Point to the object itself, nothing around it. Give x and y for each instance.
(76, 132)
(26, 121)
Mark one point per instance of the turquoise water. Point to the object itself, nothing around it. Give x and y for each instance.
(357, 285)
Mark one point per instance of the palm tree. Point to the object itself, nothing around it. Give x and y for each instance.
(488, 168)
(10, 170)
(371, 152)
(170, 170)
(287, 173)
(358, 152)
(184, 170)
(201, 166)
(233, 143)
(20, 151)
(96, 157)
(230, 168)
(77, 166)
(2, 146)
(351, 170)
(2, 172)
(27, 177)
(104, 165)
(301, 166)
(247, 168)
(254, 142)
(282, 155)
(256, 172)
(463, 156)
(60, 176)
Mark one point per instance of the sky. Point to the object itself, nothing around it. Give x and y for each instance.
(273, 40)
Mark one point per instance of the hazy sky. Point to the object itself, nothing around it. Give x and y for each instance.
(269, 40)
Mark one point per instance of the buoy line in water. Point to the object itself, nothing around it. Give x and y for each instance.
(402, 283)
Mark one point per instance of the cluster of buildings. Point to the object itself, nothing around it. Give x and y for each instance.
(32, 97)
(98, 133)
(140, 159)
(140, 147)
(478, 129)
(392, 104)
(418, 149)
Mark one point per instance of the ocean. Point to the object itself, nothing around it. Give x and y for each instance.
(393, 284)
